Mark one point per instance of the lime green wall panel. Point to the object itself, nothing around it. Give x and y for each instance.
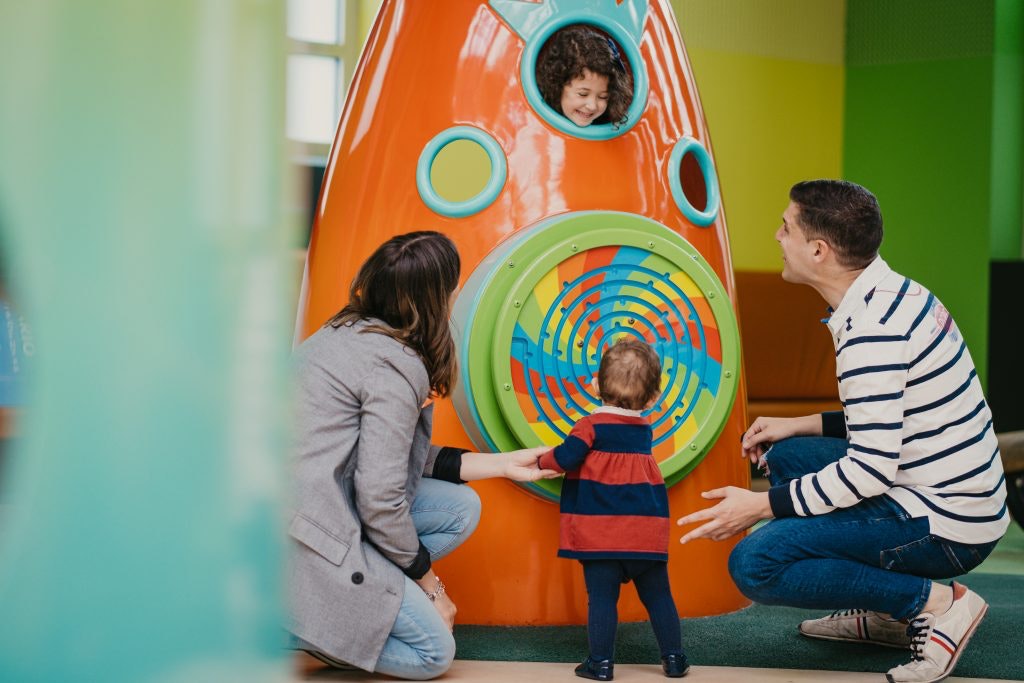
(771, 81)
(772, 123)
(794, 30)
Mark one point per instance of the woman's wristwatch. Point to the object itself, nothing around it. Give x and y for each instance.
(434, 594)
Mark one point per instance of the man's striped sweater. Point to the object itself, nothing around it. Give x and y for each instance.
(919, 428)
(614, 503)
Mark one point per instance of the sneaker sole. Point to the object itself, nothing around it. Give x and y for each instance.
(840, 639)
(959, 650)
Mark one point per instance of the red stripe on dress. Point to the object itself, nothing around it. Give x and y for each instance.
(621, 468)
(614, 533)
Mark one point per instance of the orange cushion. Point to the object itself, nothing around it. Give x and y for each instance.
(787, 351)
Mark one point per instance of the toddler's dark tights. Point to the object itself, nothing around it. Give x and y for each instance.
(604, 578)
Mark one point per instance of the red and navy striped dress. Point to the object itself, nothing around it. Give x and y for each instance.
(614, 503)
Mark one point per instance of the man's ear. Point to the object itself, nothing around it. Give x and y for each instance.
(821, 250)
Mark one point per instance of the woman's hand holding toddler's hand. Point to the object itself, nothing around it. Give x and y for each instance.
(522, 465)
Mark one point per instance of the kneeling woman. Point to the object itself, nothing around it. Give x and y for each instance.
(374, 502)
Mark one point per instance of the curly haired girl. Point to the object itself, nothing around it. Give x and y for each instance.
(581, 75)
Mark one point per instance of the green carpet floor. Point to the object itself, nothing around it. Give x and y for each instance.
(766, 637)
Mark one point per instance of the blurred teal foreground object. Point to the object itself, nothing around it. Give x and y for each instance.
(141, 215)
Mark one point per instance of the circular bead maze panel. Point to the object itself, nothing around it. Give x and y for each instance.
(535, 316)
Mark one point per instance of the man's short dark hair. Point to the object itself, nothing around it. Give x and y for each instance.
(843, 214)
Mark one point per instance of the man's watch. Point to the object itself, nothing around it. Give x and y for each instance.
(433, 595)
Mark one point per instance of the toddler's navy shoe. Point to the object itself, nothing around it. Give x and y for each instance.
(596, 669)
(675, 666)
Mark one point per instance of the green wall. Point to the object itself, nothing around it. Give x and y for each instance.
(919, 133)
(1008, 131)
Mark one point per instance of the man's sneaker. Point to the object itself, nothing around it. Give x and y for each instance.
(858, 626)
(938, 640)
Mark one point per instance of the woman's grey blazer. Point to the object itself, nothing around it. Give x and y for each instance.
(363, 444)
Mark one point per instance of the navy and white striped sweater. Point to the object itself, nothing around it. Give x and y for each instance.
(919, 428)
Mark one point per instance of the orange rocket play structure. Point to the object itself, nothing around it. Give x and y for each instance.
(579, 236)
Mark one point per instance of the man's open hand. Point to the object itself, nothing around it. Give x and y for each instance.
(738, 509)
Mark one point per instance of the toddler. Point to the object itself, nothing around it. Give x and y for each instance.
(614, 508)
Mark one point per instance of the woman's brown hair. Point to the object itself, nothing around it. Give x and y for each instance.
(407, 284)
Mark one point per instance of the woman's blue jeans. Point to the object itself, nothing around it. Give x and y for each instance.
(420, 646)
(870, 556)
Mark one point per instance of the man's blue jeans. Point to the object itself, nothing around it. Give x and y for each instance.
(870, 556)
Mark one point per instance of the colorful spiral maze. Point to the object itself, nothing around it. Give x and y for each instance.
(535, 316)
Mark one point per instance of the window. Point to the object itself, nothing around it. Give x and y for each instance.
(323, 49)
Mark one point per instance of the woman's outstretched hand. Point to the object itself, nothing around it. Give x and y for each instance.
(522, 465)
(518, 465)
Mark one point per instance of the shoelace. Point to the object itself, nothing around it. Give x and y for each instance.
(847, 613)
(918, 631)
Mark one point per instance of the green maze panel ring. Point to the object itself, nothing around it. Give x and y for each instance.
(534, 317)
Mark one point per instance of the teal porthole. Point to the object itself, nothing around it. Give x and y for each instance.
(630, 48)
(682, 188)
(486, 196)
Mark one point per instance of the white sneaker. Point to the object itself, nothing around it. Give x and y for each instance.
(938, 640)
(858, 626)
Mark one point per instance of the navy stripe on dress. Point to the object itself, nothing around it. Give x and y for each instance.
(597, 498)
(622, 438)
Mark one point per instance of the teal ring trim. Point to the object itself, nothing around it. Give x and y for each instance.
(486, 196)
(710, 213)
(596, 131)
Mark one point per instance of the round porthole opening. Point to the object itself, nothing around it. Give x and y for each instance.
(600, 55)
(461, 171)
(691, 177)
(694, 185)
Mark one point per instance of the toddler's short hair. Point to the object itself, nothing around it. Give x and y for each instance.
(630, 374)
